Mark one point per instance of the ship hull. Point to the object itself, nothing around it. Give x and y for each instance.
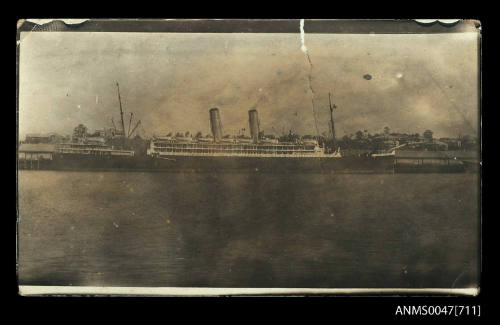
(222, 163)
(276, 165)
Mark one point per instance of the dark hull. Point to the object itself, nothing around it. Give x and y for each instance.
(276, 165)
(213, 164)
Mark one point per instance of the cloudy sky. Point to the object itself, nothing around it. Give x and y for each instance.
(170, 81)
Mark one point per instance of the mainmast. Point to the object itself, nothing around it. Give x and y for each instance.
(332, 124)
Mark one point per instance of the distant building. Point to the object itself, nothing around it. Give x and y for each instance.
(34, 138)
(106, 133)
(437, 145)
(388, 141)
(453, 144)
(79, 133)
(427, 145)
(428, 135)
(469, 143)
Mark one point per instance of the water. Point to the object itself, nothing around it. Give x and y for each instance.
(248, 230)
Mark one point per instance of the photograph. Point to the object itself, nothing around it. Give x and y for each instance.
(219, 157)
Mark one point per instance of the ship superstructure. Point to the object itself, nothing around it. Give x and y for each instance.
(235, 147)
(168, 146)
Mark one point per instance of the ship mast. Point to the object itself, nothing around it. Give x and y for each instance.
(332, 125)
(121, 112)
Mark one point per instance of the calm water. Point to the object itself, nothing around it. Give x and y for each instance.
(248, 230)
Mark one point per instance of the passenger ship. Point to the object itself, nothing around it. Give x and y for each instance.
(255, 154)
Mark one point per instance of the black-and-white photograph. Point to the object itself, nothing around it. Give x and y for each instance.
(313, 157)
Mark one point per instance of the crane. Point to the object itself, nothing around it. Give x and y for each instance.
(129, 123)
(112, 121)
(135, 127)
(332, 125)
(121, 110)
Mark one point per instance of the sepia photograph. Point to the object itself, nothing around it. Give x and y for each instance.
(244, 157)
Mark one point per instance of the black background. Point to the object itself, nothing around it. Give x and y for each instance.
(325, 309)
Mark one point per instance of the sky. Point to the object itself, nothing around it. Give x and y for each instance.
(171, 80)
